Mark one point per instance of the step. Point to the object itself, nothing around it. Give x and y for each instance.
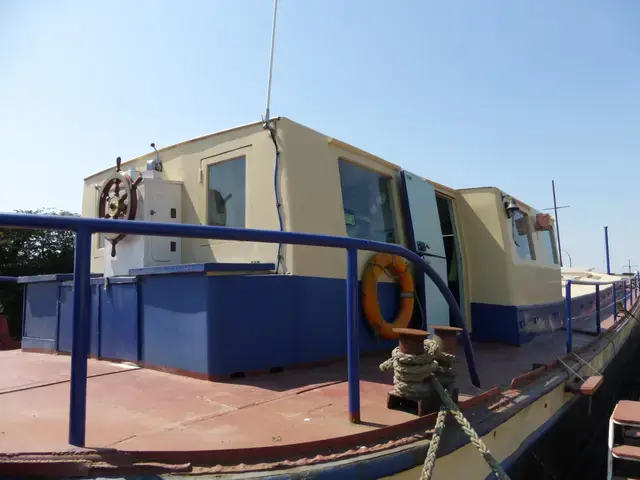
(627, 413)
(588, 388)
(591, 385)
(626, 452)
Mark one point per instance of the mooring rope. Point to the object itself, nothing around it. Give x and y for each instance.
(424, 375)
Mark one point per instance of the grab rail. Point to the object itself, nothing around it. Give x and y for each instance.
(85, 227)
(4, 279)
(634, 285)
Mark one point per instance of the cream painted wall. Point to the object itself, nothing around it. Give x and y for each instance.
(314, 200)
(484, 246)
(533, 281)
(183, 162)
(496, 273)
(311, 201)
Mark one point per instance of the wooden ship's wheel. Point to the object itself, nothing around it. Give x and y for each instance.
(118, 200)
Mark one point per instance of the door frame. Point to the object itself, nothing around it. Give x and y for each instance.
(410, 242)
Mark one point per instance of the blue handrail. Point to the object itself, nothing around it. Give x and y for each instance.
(634, 284)
(85, 227)
(4, 279)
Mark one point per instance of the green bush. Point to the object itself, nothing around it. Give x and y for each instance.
(31, 252)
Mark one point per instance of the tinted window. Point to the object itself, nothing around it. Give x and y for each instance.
(366, 196)
(549, 246)
(522, 236)
(226, 193)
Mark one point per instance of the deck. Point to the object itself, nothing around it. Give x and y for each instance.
(130, 408)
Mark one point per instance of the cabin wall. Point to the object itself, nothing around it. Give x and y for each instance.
(512, 298)
(533, 282)
(498, 275)
(313, 198)
(484, 246)
(183, 162)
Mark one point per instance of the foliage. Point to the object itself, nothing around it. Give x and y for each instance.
(31, 252)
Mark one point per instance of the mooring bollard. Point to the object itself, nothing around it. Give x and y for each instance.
(411, 340)
(448, 338)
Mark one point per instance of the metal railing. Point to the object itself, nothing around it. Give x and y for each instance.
(4, 279)
(634, 284)
(85, 227)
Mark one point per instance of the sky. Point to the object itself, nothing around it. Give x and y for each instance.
(464, 93)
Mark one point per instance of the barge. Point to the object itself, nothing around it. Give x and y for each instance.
(219, 357)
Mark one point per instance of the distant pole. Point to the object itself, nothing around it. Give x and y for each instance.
(273, 40)
(606, 249)
(555, 210)
(570, 261)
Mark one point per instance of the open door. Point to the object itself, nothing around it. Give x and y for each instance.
(425, 239)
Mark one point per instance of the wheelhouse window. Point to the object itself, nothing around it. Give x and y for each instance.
(522, 236)
(226, 193)
(368, 209)
(549, 240)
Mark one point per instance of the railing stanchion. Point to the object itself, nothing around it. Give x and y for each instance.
(567, 323)
(80, 343)
(598, 319)
(353, 340)
(624, 293)
(615, 301)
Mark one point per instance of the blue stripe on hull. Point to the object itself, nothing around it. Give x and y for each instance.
(516, 325)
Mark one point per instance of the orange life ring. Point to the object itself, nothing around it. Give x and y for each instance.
(396, 267)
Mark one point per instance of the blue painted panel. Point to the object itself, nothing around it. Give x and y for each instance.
(119, 322)
(495, 323)
(38, 343)
(41, 310)
(252, 322)
(285, 320)
(536, 319)
(94, 345)
(65, 329)
(225, 324)
(173, 323)
(322, 303)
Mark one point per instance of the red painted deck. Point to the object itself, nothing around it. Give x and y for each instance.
(130, 408)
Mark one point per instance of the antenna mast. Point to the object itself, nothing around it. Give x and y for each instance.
(273, 40)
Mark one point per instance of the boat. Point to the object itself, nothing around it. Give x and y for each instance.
(228, 358)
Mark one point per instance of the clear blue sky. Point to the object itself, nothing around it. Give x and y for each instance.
(466, 93)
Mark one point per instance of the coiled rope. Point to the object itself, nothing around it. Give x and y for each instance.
(422, 376)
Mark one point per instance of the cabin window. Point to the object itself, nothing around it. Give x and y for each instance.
(366, 196)
(548, 238)
(522, 236)
(226, 193)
